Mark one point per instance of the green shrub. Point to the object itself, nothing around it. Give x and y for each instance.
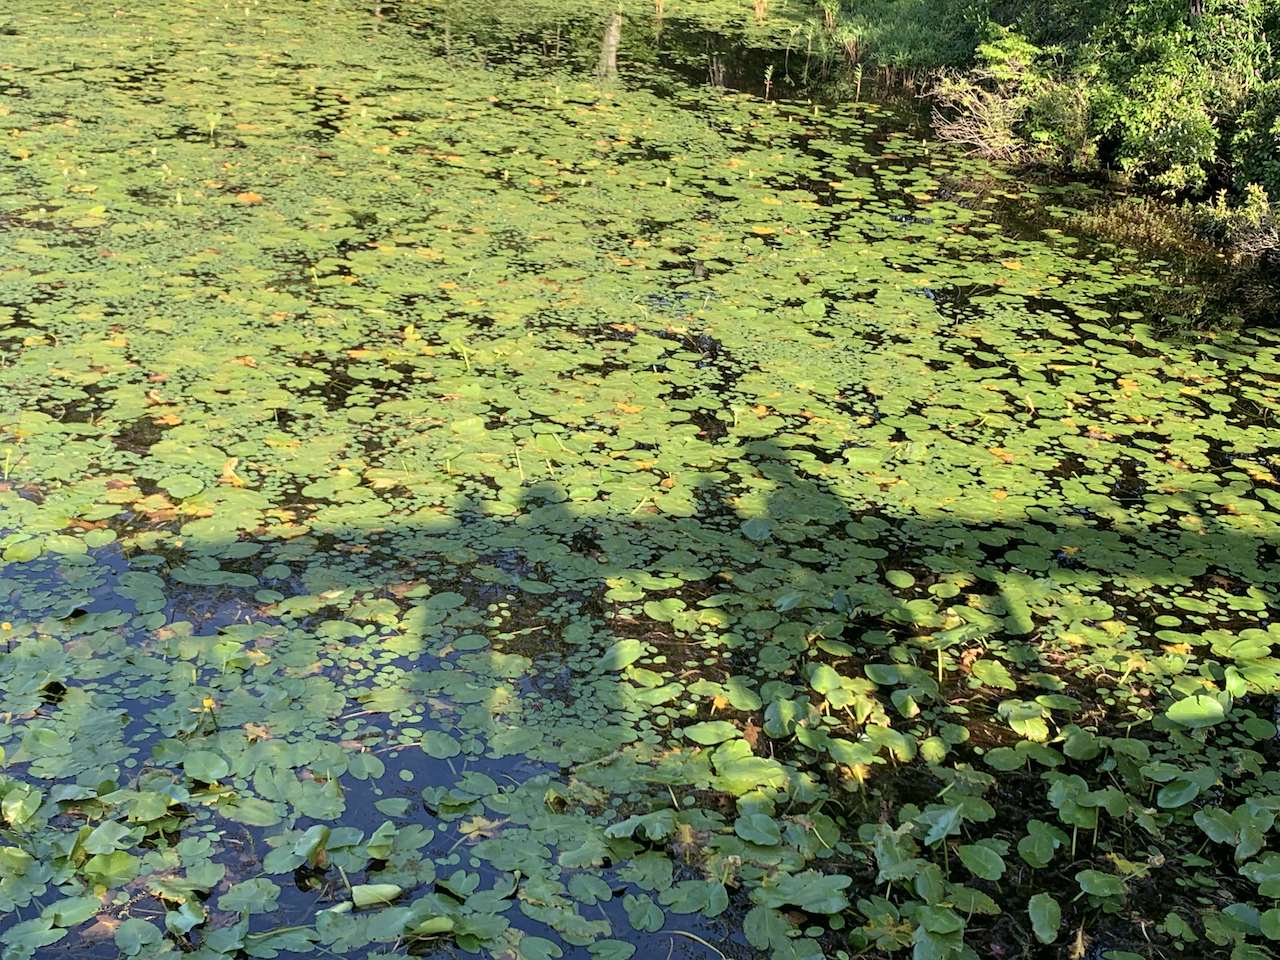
(985, 108)
(1255, 147)
(1059, 125)
(981, 114)
(1161, 129)
(1010, 107)
(1184, 103)
(1249, 228)
(1008, 56)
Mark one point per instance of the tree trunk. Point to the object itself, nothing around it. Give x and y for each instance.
(607, 69)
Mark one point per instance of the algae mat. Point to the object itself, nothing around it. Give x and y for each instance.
(451, 504)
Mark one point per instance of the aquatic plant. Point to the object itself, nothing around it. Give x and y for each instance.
(500, 511)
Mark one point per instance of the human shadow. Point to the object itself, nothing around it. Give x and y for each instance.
(445, 668)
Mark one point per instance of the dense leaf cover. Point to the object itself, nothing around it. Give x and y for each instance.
(450, 503)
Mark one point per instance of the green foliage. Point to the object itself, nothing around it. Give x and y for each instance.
(450, 506)
(1007, 56)
(911, 34)
(1255, 143)
(1250, 225)
(1169, 99)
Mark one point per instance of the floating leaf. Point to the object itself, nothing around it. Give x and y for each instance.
(135, 935)
(1046, 917)
(711, 732)
(438, 744)
(205, 766)
(982, 861)
(758, 828)
(644, 914)
(620, 655)
(371, 894)
(258, 895)
(1099, 884)
(810, 891)
(1199, 710)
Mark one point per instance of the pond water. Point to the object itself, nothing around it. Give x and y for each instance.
(577, 486)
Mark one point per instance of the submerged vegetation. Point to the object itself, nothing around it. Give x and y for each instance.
(505, 481)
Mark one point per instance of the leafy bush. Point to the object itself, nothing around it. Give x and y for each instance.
(1060, 123)
(1009, 107)
(1255, 147)
(1187, 104)
(1250, 227)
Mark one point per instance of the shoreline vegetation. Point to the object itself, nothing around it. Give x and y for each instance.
(1176, 103)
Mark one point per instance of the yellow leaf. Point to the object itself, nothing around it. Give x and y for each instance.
(1078, 948)
(477, 828)
(229, 472)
